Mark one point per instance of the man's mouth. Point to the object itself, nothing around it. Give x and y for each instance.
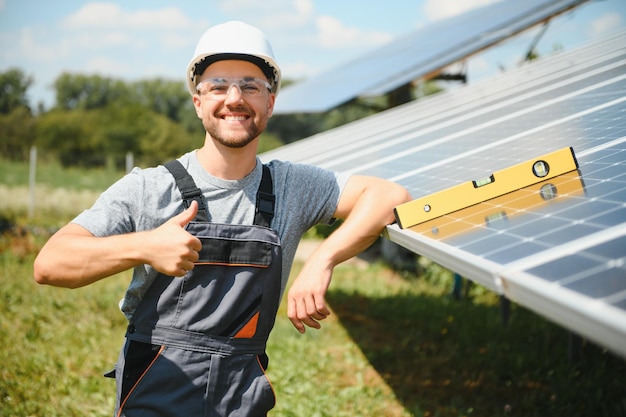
(232, 118)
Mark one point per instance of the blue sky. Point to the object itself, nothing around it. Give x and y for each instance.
(155, 38)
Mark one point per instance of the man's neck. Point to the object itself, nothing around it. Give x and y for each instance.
(227, 163)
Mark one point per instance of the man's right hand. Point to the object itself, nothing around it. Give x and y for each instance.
(73, 257)
(173, 249)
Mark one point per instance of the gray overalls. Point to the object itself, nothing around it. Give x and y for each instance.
(196, 345)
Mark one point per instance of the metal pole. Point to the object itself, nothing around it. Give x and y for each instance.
(129, 162)
(31, 181)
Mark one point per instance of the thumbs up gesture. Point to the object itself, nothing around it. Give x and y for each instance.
(173, 250)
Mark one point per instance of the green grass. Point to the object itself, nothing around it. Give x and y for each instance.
(56, 343)
(60, 193)
(446, 357)
(53, 175)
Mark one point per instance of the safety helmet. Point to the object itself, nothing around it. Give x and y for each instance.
(233, 40)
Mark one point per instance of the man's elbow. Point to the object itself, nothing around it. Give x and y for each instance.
(401, 195)
(45, 272)
(397, 194)
(42, 271)
(394, 195)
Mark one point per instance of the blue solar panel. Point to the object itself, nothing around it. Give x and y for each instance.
(423, 52)
(557, 247)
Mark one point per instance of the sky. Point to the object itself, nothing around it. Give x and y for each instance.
(141, 39)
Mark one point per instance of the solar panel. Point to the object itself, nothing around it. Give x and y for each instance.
(421, 53)
(557, 247)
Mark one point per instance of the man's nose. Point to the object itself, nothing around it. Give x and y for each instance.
(234, 94)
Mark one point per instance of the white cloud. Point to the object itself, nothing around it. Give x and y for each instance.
(605, 23)
(100, 26)
(33, 47)
(105, 66)
(299, 70)
(442, 9)
(176, 40)
(102, 40)
(334, 34)
(270, 14)
(110, 15)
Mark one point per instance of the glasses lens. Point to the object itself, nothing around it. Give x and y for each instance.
(250, 87)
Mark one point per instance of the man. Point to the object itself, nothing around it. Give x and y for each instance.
(211, 239)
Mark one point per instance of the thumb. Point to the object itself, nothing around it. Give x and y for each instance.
(186, 216)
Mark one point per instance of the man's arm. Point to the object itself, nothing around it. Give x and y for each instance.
(367, 205)
(73, 257)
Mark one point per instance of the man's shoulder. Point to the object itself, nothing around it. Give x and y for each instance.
(157, 173)
(295, 168)
(302, 178)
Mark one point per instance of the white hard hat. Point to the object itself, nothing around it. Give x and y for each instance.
(233, 40)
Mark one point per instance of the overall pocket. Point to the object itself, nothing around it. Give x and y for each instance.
(139, 357)
(171, 384)
(238, 386)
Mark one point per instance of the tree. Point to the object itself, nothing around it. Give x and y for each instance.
(71, 137)
(169, 98)
(16, 120)
(17, 133)
(86, 92)
(13, 86)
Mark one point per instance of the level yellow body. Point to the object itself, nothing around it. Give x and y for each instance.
(473, 192)
(503, 208)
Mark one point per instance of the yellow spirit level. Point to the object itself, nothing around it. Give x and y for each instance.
(503, 208)
(473, 192)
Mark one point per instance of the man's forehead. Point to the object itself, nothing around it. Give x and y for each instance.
(232, 68)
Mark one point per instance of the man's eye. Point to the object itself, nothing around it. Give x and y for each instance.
(218, 88)
(250, 88)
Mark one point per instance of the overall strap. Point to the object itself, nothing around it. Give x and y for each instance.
(265, 200)
(188, 188)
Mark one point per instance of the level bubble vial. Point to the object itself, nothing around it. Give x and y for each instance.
(541, 169)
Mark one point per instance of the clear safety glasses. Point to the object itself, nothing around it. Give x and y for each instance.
(220, 87)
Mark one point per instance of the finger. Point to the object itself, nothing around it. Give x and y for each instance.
(184, 264)
(309, 321)
(196, 245)
(185, 267)
(307, 313)
(194, 256)
(182, 219)
(317, 308)
(291, 313)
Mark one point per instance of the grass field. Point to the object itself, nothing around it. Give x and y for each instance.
(396, 344)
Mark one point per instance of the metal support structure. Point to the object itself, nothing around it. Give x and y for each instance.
(533, 44)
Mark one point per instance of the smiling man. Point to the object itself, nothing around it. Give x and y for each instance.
(211, 238)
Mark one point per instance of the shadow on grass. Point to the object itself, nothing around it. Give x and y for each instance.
(445, 357)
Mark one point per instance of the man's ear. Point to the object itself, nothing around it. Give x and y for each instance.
(270, 104)
(197, 104)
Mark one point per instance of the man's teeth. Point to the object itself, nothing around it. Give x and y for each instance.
(235, 118)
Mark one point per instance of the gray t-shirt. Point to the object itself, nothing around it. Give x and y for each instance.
(146, 198)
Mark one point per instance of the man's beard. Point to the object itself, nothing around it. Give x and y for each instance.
(231, 142)
(238, 140)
